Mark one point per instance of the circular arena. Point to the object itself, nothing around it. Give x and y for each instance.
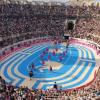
(73, 66)
(49, 49)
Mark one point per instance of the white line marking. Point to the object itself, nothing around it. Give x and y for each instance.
(89, 60)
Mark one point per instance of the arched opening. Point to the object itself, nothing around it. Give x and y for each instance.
(70, 25)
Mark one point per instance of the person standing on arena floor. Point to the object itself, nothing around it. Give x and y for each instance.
(55, 86)
(30, 74)
(50, 68)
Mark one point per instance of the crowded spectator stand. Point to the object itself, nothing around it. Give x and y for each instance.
(17, 32)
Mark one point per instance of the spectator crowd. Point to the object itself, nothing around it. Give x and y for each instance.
(25, 21)
(19, 22)
(9, 92)
(87, 28)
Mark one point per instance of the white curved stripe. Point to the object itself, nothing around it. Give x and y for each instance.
(24, 53)
(77, 80)
(31, 47)
(85, 55)
(10, 56)
(11, 66)
(35, 47)
(87, 60)
(90, 54)
(4, 66)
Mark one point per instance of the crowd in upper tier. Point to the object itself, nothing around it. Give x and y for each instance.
(25, 21)
(87, 29)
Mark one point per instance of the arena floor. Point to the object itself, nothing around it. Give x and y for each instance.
(72, 67)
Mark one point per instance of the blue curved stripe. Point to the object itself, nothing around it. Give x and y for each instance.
(5, 71)
(9, 59)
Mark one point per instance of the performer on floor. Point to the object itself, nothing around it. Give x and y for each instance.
(53, 53)
(47, 49)
(64, 53)
(50, 68)
(30, 74)
(56, 49)
(49, 57)
(43, 62)
(33, 67)
(41, 57)
(55, 86)
(60, 58)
